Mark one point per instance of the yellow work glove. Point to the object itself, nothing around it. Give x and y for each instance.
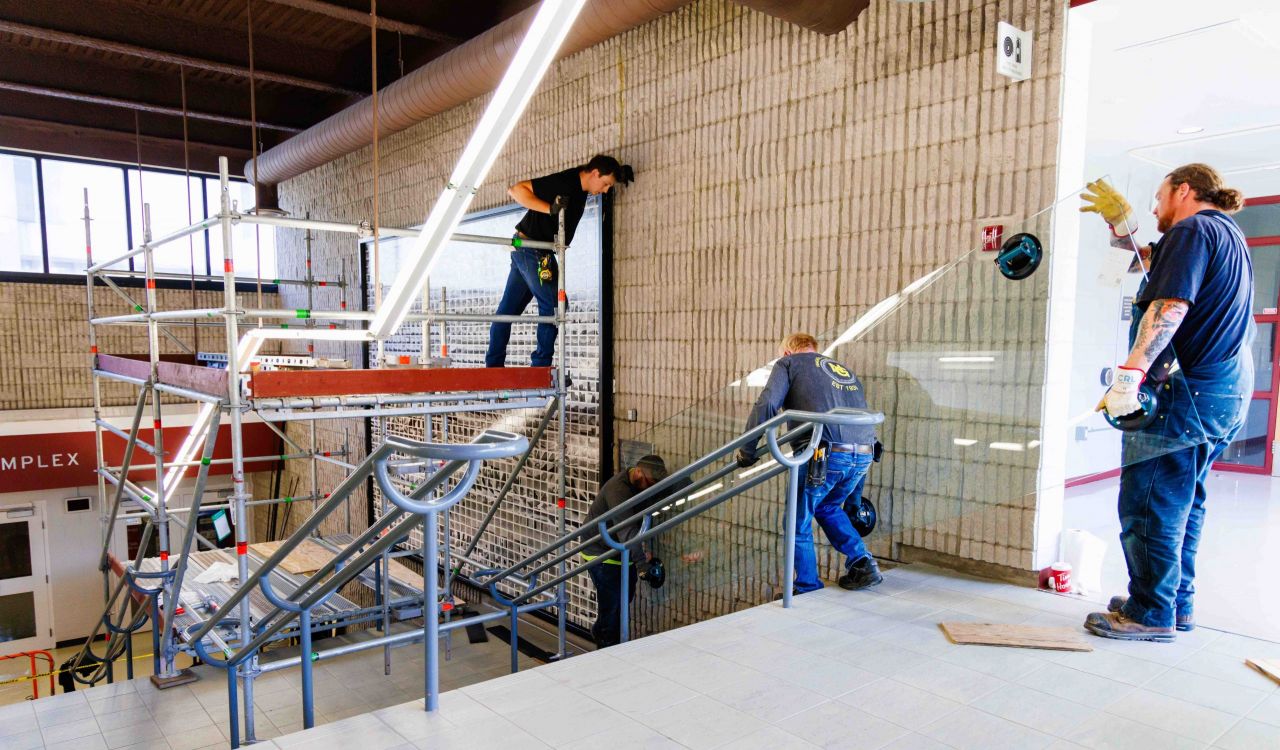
(1104, 200)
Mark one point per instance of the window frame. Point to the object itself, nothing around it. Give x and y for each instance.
(45, 277)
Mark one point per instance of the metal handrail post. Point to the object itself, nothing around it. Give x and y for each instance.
(624, 613)
(793, 464)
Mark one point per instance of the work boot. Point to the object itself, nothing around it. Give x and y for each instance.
(862, 574)
(1115, 625)
(1182, 623)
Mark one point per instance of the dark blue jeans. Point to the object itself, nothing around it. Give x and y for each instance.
(1162, 495)
(825, 504)
(607, 577)
(523, 286)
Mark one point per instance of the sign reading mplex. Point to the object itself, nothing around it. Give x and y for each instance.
(48, 460)
(52, 460)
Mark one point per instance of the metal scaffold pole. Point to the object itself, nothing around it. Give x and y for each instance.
(239, 493)
(561, 501)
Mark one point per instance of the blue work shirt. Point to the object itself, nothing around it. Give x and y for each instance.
(1204, 260)
(809, 381)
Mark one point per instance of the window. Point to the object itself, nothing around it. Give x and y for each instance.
(248, 240)
(175, 202)
(20, 243)
(42, 219)
(65, 183)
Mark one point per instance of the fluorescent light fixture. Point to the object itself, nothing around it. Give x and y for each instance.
(1190, 130)
(964, 442)
(536, 52)
(1015, 447)
(706, 491)
(756, 469)
(966, 359)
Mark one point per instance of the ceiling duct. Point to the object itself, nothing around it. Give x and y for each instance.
(475, 68)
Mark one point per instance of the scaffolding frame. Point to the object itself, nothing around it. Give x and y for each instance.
(161, 591)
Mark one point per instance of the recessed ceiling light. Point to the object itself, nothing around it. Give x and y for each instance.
(1190, 130)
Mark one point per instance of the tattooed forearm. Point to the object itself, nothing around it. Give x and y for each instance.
(1127, 243)
(1156, 330)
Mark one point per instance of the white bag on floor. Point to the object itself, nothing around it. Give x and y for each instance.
(1085, 552)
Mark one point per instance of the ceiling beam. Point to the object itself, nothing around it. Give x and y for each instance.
(99, 143)
(159, 109)
(358, 17)
(120, 48)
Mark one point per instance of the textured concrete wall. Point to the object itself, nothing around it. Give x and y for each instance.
(785, 180)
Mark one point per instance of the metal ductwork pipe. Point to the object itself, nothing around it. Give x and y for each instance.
(822, 16)
(460, 75)
(475, 68)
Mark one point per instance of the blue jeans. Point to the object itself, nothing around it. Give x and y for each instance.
(523, 286)
(1162, 494)
(825, 503)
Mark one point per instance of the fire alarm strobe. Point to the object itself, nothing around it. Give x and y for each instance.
(1013, 52)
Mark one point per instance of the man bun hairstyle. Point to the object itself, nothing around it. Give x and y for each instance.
(1208, 186)
(607, 165)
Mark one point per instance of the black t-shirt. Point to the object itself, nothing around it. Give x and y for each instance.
(1204, 260)
(539, 226)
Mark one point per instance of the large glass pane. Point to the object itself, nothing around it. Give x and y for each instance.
(1266, 279)
(1263, 356)
(17, 616)
(65, 183)
(19, 216)
(1250, 446)
(1260, 220)
(250, 242)
(15, 550)
(167, 195)
(956, 360)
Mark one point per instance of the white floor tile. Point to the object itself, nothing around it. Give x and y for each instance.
(900, 703)
(1108, 732)
(1043, 712)
(971, 729)
(1075, 685)
(950, 681)
(1207, 691)
(702, 723)
(1174, 715)
(837, 725)
(1250, 735)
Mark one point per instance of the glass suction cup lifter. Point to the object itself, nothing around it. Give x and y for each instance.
(1020, 256)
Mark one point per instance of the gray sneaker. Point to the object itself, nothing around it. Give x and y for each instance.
(1181, 622)
(862, 574)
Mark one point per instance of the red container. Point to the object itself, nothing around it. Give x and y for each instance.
(1060, 577)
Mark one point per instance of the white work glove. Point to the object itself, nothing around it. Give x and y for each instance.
(1121, 399)
(1102, 199)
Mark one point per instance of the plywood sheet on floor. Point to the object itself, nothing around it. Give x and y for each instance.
(1015, 636)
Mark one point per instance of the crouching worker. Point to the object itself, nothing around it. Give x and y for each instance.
(607, 576)
(806, 380)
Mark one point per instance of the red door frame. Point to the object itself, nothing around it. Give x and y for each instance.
(1272, 394)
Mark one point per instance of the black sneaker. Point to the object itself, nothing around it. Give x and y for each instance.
(862, 574)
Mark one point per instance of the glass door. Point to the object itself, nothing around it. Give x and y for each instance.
(24, 589)
(1251, 451)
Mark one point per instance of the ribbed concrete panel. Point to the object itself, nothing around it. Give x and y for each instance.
(786, 180)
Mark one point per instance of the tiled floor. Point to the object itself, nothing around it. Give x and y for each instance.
(839, 670)
(1238, 552)
(857, 670)
(136, 716)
